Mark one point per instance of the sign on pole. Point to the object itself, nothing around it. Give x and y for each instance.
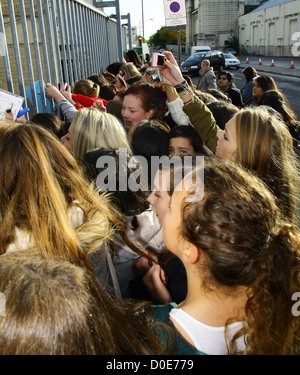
(175, 13)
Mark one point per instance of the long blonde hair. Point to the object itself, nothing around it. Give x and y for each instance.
(265, 146)
(93, 129)
(130, 70)
(40, 183)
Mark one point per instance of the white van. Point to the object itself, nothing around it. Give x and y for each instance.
(200, 49)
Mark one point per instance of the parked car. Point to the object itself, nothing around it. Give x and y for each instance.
(192, 65)
(231, 61)
(230, 50)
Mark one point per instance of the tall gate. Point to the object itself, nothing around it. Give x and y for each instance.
(53, 41)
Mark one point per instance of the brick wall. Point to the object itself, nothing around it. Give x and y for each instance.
(13, 67)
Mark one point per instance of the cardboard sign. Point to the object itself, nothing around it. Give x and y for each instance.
(11, 101)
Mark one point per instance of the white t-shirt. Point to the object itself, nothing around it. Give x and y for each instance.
(207, 339)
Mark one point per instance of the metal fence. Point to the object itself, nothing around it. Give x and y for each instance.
(53, 41)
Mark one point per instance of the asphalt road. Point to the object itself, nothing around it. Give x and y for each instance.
(290, 86)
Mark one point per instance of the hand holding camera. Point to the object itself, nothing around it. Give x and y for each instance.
(168, 68)
(171, 70)
(158, 60)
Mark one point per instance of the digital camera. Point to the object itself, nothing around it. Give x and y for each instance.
(158, 59)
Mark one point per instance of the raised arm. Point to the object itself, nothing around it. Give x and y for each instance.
(175, 106)
(199, 114)
(64, 107)
(54, 93)
(65, 90)
(203, 121)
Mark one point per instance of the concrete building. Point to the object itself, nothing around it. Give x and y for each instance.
(134, 35)
(270, 29)
(213, 22)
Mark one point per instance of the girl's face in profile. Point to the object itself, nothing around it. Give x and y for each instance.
(172, 222)
(133, 111)
(257, 90)
(67, 139)
(159, 198)
(227, 146)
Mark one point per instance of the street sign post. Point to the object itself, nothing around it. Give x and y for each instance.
(175, 16)
(175, 13)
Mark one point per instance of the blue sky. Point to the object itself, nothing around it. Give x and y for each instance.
(153, 9)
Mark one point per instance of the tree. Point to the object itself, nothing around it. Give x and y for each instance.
(165, 36)
(233, 42)
(156, 40)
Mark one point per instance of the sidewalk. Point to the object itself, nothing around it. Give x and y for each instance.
(282, 65)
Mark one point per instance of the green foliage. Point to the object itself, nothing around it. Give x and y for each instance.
(164, 36)
(233, 42)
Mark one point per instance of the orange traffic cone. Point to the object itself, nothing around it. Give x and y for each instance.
(259, 63)
(272, 62)
(247, 62)
(292, 63)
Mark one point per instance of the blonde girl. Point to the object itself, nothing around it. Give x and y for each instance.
(46, 203)
(91, 129)
(254, 138)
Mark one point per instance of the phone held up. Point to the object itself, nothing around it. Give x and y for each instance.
(157, 59)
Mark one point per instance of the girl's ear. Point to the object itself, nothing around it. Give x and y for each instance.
(149, 114)
(190, 254)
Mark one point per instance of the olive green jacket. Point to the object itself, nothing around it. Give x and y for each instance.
(203, 121)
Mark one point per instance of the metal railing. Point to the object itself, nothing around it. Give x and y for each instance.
(53, 41)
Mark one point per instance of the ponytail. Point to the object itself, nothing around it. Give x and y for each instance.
(272, 329)
(86, 87)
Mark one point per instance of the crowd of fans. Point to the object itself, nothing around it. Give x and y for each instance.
(104, 250)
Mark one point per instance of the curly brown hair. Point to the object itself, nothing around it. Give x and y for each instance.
(246, 244)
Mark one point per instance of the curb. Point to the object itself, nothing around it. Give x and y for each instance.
(290, 72)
